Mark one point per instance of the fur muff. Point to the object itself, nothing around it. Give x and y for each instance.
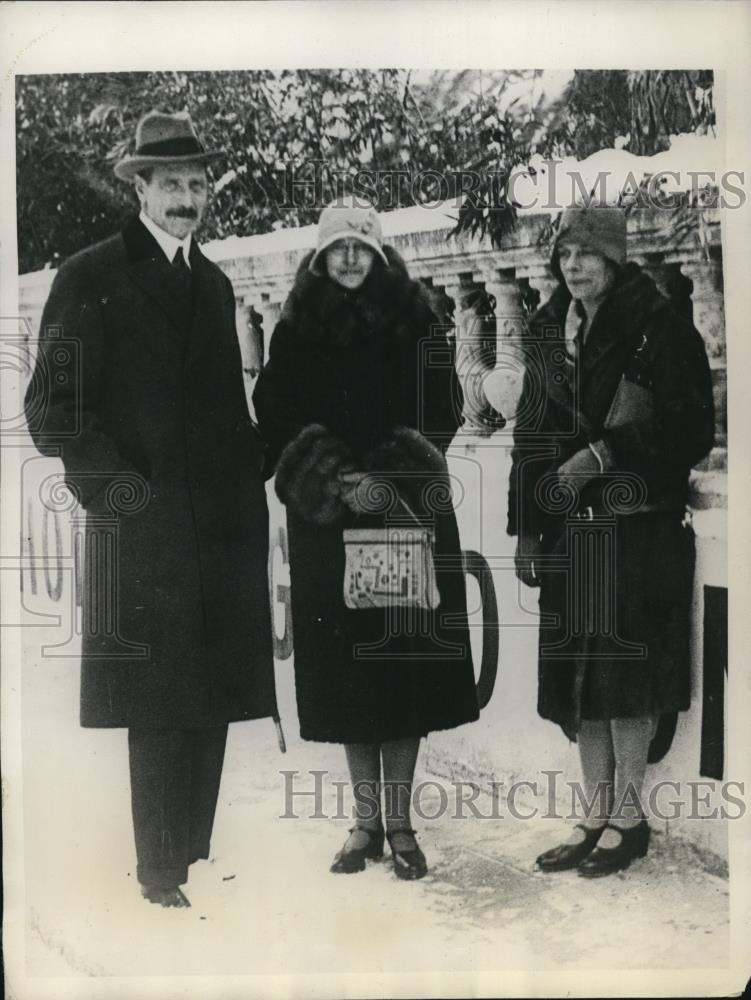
(407, 451)
(307, 476)
(414, 466)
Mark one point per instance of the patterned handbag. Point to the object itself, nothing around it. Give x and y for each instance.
(390, 567)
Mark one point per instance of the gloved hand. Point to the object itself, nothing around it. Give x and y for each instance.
(526, 560)
(579, 469)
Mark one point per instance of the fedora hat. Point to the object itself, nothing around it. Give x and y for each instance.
(163, 138)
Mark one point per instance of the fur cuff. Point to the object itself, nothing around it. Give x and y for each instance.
(415, 467)
(307, 476)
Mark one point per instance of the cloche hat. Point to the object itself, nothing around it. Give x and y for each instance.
(598, 227)
(348, 220)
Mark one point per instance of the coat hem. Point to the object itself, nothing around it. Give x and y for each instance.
(172, 724)
(387, 737)
(569, 725)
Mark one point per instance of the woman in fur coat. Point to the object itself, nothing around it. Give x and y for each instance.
(358, 402)
(616, 409)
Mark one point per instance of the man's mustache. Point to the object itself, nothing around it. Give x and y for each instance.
(182, 213)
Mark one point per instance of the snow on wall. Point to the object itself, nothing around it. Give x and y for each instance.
(539, 187)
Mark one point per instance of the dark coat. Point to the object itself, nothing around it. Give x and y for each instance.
(616, 590)
(366, 379)
(155, 402)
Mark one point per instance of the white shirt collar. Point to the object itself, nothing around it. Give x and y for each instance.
(169, 244)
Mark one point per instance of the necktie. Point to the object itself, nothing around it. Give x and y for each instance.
(182, 270)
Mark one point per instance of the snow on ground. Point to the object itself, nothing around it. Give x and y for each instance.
(266, 902)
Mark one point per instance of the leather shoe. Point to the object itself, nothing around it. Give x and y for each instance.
(409, 864)
(353, 860)
(172, 896)
(565, 856)
(606, 860)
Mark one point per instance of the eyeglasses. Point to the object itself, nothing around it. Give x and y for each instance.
(345, 247)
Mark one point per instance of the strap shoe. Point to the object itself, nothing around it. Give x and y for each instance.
(565, 856)
(409, 863)
(353, 859)
(606, 860)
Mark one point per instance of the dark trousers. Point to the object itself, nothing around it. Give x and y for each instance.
(174, 784)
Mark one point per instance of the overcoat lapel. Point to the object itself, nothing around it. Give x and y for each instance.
(563, 387)
(207, 298)
(150, 270)
(612, 341)
(602, 362)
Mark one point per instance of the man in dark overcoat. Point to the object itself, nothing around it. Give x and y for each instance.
(151, 422)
